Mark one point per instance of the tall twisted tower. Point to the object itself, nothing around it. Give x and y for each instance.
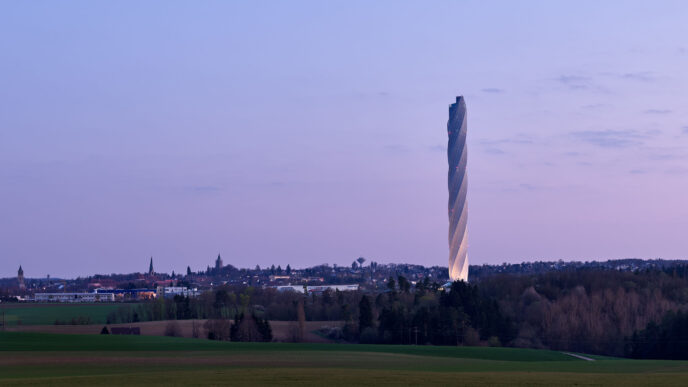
(458, 186)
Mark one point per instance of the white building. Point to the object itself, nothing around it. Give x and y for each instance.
(316, 288)
(74, 297)
(323, 288)
(171, 291)
(291, 288)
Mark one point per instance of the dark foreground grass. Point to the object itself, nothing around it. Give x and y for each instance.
(24, 341)
(339, 377)
(61, 360)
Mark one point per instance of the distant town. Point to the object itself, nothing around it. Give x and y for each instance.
(360, 275)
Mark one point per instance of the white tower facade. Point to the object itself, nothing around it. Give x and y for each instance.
(458, 186)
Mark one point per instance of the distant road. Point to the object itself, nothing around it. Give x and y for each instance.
(579, 356)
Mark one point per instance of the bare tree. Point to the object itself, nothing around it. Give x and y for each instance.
(172, 329)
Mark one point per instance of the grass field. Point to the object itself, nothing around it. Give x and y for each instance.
(46, 314)
(281, 330)
(48, 359)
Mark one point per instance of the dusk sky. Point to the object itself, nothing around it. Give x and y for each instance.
(315, 132)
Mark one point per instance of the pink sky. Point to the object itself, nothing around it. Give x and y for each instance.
(308, 133)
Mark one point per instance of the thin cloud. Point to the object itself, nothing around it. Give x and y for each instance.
(612, 138)
(529, 187)
(580, 83)
(575, 82)
(665, 153)
(685, 129)
(665, 156)
(657, 111)
(594, 106)
(573, 79)
(677, 171)
(642, 76)
(494, 151)
(518, 139)
(394, 148)
(205, 188)
(437, 148)
(636, 171)
(573, 154)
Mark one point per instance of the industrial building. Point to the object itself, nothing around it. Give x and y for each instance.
(316, 288)
(74, 297)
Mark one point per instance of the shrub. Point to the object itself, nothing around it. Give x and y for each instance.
(493, 341)
(471, 337)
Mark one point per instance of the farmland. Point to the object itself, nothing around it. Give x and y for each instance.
(46, 314)
(34, 358)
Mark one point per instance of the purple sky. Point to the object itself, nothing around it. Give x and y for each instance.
(315, 132)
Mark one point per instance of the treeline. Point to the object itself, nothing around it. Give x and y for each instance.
(403, 314)
(586, 310)
(230, 301)
(428, 315)
(666, 340)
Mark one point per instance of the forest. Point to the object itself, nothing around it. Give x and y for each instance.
(598, 311)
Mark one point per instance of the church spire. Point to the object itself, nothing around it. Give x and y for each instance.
(20, 278)
(218, 263)
(150, 267)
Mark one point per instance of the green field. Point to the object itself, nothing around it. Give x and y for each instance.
(35, 359)
(46, 314)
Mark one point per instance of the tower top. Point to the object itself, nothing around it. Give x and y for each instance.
(20, 271)
(150, 267)
(460, 101)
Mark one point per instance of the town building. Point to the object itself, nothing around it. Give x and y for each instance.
(74, 297)
(324, 288)
(130, 294)
(171, 291)
(316, 288)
